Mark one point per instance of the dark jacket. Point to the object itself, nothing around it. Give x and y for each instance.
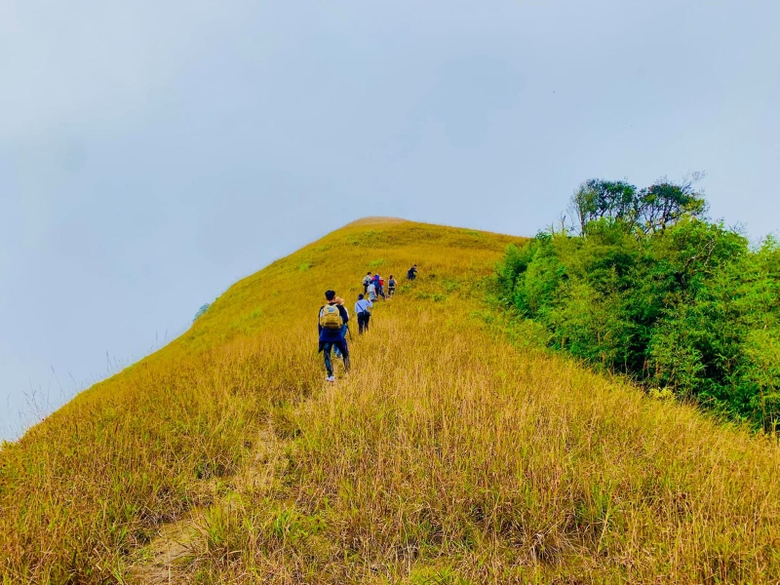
(332, 335)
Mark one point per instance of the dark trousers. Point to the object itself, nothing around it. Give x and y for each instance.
(328, 346)
(363, 318)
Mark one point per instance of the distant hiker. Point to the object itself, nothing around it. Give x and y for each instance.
(380, 287)
(371, 292)
(412, 273)
(366, 281)
(363, 314)
(391, 286)
(330, 323)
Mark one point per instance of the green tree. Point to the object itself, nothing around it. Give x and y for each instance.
(652, 289)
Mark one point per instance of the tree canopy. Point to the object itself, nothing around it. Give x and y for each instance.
(651, 288)
(649, 210)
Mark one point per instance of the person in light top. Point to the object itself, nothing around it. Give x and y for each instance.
(362, 307)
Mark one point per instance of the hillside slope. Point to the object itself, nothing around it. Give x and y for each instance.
(446, 456)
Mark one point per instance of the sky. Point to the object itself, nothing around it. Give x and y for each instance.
(151, 154)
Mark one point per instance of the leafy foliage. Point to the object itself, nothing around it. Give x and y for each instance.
(652, 289)
(650, 209)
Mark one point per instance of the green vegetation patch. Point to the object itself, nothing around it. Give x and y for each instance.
(645, 285)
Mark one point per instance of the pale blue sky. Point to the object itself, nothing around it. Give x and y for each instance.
(153, 153)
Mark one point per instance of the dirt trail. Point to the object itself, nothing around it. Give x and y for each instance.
(171, 556)
(161, 560)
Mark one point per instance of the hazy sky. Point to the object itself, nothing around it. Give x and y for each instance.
(152, 153)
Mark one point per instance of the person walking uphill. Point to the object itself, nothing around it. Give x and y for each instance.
(330, 324)
(363, 314)
(371, 292)
(366, 281)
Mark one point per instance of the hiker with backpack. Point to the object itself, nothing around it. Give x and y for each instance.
(382, 288)
(371, 292)
(362, 307)
(366, 281)
(330, 324)
(391, 286)
(411, 274)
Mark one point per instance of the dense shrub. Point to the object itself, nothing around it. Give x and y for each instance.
(680, 303)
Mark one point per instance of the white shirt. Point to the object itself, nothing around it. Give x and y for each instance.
(363, 305)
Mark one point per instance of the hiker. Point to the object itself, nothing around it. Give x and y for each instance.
(391, 286)
(363, 314)
(371, 292)
(331, 321)
(412, 273)
(366, 281)
(380, 289)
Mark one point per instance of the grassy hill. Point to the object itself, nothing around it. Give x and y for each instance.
(448, 455)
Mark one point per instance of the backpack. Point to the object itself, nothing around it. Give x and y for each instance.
(330, 317)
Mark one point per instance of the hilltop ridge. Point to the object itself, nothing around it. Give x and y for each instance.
(449, 454)
(376, 220)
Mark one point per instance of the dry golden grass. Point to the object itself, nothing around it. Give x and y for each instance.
(448, 455)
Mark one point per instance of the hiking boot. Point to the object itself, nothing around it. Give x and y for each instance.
(331, 378)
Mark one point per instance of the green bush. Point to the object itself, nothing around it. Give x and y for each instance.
(684, 304)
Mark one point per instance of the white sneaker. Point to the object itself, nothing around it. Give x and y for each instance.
(331, 378)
